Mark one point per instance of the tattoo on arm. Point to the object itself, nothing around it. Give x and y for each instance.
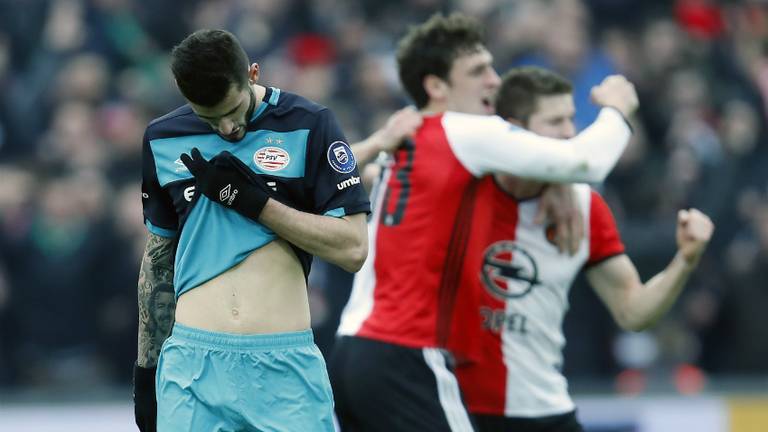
(156, 273)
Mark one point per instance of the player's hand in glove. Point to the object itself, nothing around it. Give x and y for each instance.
(223, 181)
(144, 401)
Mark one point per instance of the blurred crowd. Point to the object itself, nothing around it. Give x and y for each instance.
(80, 79)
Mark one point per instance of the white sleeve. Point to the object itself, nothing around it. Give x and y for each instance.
(488, 144)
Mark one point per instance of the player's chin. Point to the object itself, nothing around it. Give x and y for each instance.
(235, 136)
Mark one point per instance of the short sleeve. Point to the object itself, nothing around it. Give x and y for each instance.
(604, 239)
(335, 181)
(159, 214)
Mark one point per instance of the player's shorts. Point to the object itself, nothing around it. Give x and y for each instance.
(556, 423)
(209, 381)
(385, 387)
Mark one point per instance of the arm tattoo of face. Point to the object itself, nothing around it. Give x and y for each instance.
(156, 298)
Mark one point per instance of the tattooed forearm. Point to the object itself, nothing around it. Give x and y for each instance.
(156, 273)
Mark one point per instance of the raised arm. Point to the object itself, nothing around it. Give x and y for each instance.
(636, 306)
(491, 145)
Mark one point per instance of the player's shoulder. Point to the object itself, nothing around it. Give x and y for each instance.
(596, 201)
(287, 103)
(180, 121)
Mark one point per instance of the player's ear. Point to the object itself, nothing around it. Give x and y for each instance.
(435, 87)
(253, 73)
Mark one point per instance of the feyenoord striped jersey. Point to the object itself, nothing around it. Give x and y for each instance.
(507, 329)
(405, 292)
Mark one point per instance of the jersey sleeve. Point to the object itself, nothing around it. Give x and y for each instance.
(159, 214)
(488, 144)
(335, 180)
(604, 239)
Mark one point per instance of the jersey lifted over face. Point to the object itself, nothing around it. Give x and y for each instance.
(294, 144)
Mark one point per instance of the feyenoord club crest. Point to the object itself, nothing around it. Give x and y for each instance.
(508, 270)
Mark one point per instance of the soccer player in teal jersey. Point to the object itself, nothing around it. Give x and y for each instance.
(241, 187)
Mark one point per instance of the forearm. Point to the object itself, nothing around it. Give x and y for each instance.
(646, 305)
(156, 269)
(588, 157)
(341, 241)
(601, 145)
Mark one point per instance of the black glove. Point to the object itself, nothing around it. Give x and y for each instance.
(144, 400)
(223, 181)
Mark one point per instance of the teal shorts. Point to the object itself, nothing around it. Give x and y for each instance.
(209, 381)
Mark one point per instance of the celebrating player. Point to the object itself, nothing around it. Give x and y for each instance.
(389, 371)
(508, 329)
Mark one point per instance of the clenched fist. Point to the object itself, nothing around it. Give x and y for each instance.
(694, 229)
(615, 91)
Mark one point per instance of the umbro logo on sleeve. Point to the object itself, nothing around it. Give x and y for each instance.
(348, 182)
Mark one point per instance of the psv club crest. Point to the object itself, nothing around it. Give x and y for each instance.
(271, 158)
(508, 270)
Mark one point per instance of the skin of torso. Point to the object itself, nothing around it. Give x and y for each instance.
(265, 293)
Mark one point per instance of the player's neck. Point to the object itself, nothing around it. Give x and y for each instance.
(518, 188)
(258, 91)
(433, 107)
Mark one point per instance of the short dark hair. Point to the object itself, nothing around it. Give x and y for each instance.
(521, 87)
(430, 49)
(206, 64)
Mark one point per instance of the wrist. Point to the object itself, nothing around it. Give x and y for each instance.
(144, 378)
(624, 116)
(687, 261)
(142, 371)
(147, 361)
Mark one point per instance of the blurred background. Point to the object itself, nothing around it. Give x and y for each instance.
(80, 79)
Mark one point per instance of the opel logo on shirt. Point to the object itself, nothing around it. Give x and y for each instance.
(508, 270)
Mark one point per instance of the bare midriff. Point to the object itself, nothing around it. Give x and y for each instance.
(265, 293)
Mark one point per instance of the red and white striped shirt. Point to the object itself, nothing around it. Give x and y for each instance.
(507, 329)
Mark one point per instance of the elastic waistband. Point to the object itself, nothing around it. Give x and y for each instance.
(242, 342)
